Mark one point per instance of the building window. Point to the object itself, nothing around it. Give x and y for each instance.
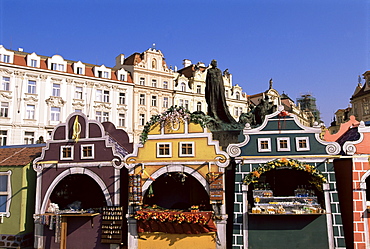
(57, 67)
(264, 145)
(142, 99)
(78, 110)
(181, 102)
(98, 116)
(78, 92)
(226, 93)
(3, 136)
(106, 96)
(186, 149)
(165, 84)
(186, 104)
(5, 193)
(122, 77)
(142, 119)
(106, 75)
(302, 143)
(183, 87)
(6, 58)
(199, 89)
(29, 137)
(56, 90)
(55, 113)
(30, 112)
(31, 87)
(66, 152)
(79, 70)
(237, 95)
(121, 119)
(122, 98)
(154, 100)
(164, 149)
(366, 107)
(33, 63)
(4, 109)
(87, 151)
(240, 110)
(154, 83)
(165, 102)
(105, 116)
(142, 81)
(199, 106)
(283, 143)
(99, 95)
(236, 109)
(5, 84)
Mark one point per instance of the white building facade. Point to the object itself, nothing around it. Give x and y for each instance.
(38, 92)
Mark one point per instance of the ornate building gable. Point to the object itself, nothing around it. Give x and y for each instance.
(282, 128)
(353, 137)
(80, 140)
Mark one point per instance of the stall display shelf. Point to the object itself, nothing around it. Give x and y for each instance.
(285, 205)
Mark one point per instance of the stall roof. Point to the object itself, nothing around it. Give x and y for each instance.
(19, 155)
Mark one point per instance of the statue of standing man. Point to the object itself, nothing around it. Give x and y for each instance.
(215, 95)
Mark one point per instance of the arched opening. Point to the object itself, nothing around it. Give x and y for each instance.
(177, 190)
(367, 181)
(285, 182)
(78, 191)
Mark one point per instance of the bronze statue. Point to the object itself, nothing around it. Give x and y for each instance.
(215, 95)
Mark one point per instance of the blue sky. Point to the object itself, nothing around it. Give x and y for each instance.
(305, 46)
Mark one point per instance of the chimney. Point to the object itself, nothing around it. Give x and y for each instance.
(186, 62)
(120, 59)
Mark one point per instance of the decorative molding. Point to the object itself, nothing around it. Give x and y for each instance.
(32, 76)
(55, 101)
(6, 71)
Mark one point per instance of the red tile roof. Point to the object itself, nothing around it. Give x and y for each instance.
(18, 156)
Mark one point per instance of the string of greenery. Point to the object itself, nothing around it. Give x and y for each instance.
(173, 114)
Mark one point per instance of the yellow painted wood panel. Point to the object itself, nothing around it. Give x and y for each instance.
(177, 241)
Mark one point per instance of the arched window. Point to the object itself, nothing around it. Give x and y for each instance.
(237, 95)
(183, 87)
(154, 64)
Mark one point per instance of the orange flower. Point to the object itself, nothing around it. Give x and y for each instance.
(284, 160)
(256, 173)
(308, 168)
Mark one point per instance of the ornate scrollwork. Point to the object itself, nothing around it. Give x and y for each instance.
(233, 150)
(332, 149)
(349, 149)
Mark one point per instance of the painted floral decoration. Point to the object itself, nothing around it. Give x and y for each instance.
(317, 177)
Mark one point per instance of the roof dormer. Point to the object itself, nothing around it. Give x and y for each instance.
(102, 72)
(5, 55)
(57, 63)
(79, 68)
(122, 74)
(33, 60)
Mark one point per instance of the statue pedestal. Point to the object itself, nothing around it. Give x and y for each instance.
(226, 137)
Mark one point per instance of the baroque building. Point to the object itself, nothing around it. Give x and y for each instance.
(360, 99)
(37, 92)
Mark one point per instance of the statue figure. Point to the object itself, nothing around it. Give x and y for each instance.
(215, 95)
